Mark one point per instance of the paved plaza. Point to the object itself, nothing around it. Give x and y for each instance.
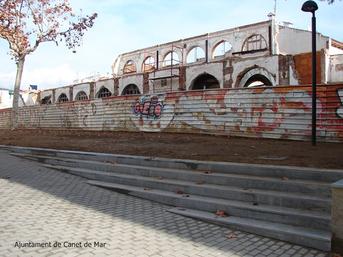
(44, 212)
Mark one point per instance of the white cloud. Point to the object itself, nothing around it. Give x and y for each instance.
(44, 77)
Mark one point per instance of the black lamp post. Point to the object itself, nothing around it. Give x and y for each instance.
(311, 6)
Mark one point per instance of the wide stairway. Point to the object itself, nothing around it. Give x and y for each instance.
(287, 203)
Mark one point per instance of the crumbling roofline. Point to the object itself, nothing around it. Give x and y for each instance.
(195, 37)
(337, 44)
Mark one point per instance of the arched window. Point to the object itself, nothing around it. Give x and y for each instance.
(104, 92)
(221, 49)
(255, 76)
(196, 55)
(129, 67)
(149, 64)
(170, 59)
(62, 98)
(204, 81)
(131, 89)
(254, 42)
(80, 96)
(46, 100)
(258, 80)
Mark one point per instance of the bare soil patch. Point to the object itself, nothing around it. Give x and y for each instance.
(183, 146)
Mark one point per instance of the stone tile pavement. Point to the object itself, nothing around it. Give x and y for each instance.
(48, 213)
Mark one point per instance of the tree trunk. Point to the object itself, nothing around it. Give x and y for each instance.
(16, 93)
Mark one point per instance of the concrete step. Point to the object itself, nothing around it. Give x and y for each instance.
(287, 203)
(317, 238)
(314, 188)
(314, 238)
(326, 175)
(253, 196)
(282, 215)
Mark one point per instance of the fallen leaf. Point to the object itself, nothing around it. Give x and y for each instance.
(221, 213)
(200, 182)
(147, 189)
(285, 178)
(180, 192)
(231, 236)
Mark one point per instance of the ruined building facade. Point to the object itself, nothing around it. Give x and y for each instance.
(258, 54)
(251, 81)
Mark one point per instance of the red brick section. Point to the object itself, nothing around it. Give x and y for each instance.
(53, 96)
(116, 87)
(284, 62)
(71, 95)
(303, 66)
(146, 83)
(228, 70)
(91, 91)
(182, 78)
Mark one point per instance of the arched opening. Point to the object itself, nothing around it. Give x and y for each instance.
(131, 89)
(221, 49)
(129, 67)
(171, 59)
(62, 98)
(258, 80)
(46, 100)
(149, 64)
(103, 92)
(205, 81)
(80, 96)
(255, 76)
(197, 54)
(254, 42)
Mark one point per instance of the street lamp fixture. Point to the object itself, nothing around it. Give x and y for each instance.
(312, 7)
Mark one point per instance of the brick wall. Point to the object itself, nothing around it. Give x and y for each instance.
(303, 67)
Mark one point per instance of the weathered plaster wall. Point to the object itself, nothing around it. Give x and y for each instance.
(273, 112)
(46, 93)
(295, 41)
(336, 68)
(5, 99)
(236, 37)
(108, 83)
(85, 87)
(267, 66)
(214, 69)
(62, 90)
(136, 79)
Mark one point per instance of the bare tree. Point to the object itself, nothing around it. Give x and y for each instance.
(25, 24)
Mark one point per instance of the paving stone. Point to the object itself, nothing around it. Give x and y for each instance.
(44, 205)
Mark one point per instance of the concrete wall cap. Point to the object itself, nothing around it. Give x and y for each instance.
(338, 184)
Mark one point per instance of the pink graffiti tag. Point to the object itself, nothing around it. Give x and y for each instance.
(150, 107)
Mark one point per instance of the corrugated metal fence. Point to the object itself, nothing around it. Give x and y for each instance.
(269, 112)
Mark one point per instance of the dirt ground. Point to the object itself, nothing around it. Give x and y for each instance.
(184, 146)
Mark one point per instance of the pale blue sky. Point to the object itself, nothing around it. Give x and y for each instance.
(125, 25)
